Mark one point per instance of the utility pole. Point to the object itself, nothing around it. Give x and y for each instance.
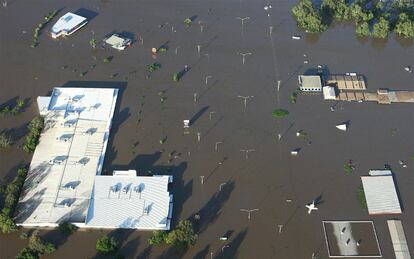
(198, 50)
(207, 77)
(176, 50)
(217, 143)
(202, 179)
(211, 114)
(221, 186)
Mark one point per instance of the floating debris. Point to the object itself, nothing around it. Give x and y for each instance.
(408, 69)
(296, 37)
(342, 127)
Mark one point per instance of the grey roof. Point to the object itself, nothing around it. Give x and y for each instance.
(398, 239)
(310, 81)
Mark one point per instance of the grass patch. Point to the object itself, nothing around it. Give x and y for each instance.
(361, 197)
(280, 113)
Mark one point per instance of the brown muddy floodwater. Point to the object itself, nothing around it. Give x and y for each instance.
(270, 175)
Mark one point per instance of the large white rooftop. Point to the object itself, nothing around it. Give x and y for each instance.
(70, 153)
(67, 24)
(130, 201)
(380, 193)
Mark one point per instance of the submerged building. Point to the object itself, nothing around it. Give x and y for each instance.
(64, 179)
(68, 24)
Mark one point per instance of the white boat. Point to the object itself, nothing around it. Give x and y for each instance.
(295, 37)
(342, 126)
(68, 24)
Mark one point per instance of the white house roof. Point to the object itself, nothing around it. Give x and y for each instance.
(381, 195)
(70, 153)
(134, 202)
(115, 40)
(68, 22)
(399, 242)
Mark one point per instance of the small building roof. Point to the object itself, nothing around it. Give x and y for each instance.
(398, 239)
(132, 202)
(67, 22)
(329, 93)
(347, 82)
(115, 40)
(311, 81)
(381, 195)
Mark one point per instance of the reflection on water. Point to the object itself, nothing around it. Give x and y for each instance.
(379, 44)
(404, 42)
(312, 38)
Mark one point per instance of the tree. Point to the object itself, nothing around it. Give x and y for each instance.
(404, 26)
(26, 253)
(7, 224)
(362, 29)
(158, 237)
(5, 140)
(381, 28)
(40, 246)
(106, 245)
(92, 42)
(67, 228)
(183, 236)
(308, 17)
(336, 8)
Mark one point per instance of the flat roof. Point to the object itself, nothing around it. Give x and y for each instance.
(356, 239)
(311, 81)
(347, 82)
(70, 153)
(381, 194)
(132, 202)
(68, 22)
(115, 40)
(398, 239)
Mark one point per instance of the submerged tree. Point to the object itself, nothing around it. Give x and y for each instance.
(308, 17)
(404, 26)
(106, 245)
(381, 28)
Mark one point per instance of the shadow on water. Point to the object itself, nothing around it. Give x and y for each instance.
(202, 253)
(230, 250)
(198, 114)
(212, 209)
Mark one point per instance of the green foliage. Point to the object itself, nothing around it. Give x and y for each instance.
(67, 228)
(107, 60)
(175, 77)
(361, 197)
(35, 128)
(381, 28)
(26, 253)
(308, 17)
(24, 236)
(336, 8)
(7, 224)
(16, 109)
(158, 237)
(162, 50)
(294, 97)
(92, 43)
(5, 140)
(358, 13)
(153, 67)
(40, 26)
(280, 113)
(106, 245)
(404, 26)
(182, 236)
(362, 29)
(188, 21)
(39, 246)
(349, 169)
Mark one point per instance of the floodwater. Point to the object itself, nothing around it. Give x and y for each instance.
(270, 176)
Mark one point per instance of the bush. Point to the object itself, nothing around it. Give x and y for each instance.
(7, 224)
(188, 21)
(175, 77)
(41, 25)
(26, 253)
(106, 245)
(92, 43)
(361, 197)
(15, 111)
(158, 237)
(153, 67)
(280, 113)
(349, 169)
(39, 246)
(35, 128)
(67, 228)
(5, 140)
(294, 97)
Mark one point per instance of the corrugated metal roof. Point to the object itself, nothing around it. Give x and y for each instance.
(138, 202)
(398, 239)
(379, 172)
(68, 22)
(381, 195)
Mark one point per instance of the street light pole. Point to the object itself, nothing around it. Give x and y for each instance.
(207, 77)
(244, 56)
(247, 151)
(248, 212)
(216, 147)
(245, 100)
(242, 22)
